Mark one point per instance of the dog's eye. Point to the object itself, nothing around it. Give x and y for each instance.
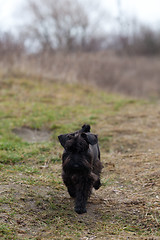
(69, 137)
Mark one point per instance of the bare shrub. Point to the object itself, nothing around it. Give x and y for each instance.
(10, 45)
(137, 39)
(147, 41)
(11, 50)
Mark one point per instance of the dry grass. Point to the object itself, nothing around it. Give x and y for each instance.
(136, 76)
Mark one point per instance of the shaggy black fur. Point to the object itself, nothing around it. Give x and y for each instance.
(81, 165)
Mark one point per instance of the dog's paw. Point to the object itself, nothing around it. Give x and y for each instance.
(80, 210)
(97, 185)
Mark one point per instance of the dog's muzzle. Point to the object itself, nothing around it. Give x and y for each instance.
(76, 166)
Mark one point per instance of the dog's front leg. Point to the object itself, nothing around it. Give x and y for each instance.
(96, 181)
(83, 191)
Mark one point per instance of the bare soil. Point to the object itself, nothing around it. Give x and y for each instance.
(32, 135)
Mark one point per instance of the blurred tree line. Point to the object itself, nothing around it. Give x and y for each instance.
(73, 25)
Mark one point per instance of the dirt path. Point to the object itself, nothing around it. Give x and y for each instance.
(132, 170)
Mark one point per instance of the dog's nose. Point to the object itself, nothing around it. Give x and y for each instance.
(76, 166)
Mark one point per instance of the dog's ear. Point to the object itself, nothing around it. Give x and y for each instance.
(85, 128)
(90, 138)
(63, 138)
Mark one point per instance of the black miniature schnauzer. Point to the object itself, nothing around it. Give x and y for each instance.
(81, 165)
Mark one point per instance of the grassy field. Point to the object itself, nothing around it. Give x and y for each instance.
(34, 203)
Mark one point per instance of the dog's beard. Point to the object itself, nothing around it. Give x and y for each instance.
(78, 165)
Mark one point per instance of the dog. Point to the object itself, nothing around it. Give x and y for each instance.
(81, 165)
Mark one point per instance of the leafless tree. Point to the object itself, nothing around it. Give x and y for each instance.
(63, 24)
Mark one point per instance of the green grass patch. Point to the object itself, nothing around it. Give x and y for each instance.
(7, 233)
(10, 158)
(105, 142)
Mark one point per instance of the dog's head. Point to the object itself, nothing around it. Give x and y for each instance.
(76, 156)
(77, 142)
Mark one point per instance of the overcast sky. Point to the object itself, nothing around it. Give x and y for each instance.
(146, 11)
